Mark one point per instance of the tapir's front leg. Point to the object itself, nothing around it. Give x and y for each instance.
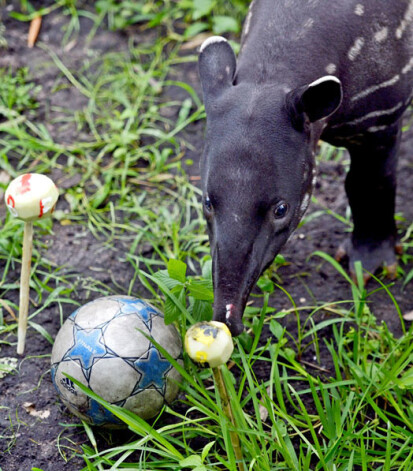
(371, 190)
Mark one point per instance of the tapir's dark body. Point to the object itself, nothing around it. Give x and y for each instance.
(308, 69)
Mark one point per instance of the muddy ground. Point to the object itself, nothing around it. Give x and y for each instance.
(36, 435)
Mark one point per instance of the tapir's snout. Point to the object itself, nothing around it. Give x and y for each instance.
(231, 288)
(236, 269)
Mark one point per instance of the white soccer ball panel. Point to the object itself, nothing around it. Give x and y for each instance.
(118, 360)
(123, 337)
(63, 342)
(146, 403)
(113, 379)
(167, 336)
(97, 312)
(69, 392)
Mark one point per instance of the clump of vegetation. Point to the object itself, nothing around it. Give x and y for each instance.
(17, 92)
(195, 16)
(356, 415)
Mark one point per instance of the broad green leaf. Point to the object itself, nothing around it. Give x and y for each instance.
(164, 277)
(177, 270)
(202, 310)
(195, 29)
(224, 24)
(276, 329)
(172, 311)
(265, 285)
(201, 290)
(207, 270)
(202, 8)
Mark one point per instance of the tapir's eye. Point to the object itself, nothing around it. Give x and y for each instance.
(207, 204)
(281, 210)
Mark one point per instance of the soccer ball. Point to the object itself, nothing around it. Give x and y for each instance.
(102, 346)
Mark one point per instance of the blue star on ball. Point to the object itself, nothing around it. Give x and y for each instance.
(153, 369)
(87, 349)
(133, 306)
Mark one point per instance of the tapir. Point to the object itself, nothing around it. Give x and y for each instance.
(340, 71)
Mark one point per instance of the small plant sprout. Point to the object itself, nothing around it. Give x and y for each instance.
(210, 344)
(29, 197)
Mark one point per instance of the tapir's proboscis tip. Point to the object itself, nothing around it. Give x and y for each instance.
(232, 318)
(236, 327)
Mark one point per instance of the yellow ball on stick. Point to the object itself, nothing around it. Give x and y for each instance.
(210, 344)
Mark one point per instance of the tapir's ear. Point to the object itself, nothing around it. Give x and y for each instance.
(317, 100)
(217, 65)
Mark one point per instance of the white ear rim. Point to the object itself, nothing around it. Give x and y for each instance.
(326, 78)
(211, 40)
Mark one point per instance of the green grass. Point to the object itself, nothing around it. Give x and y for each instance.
(130, 191)
(356, 416)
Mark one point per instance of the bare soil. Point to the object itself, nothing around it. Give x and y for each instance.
(30, 414)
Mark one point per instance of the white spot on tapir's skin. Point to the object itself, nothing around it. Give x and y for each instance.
(247, 23)
(373, 114)
(211, 40)
(356, 48)
(301, 32)
(314, 180)
(408, 18)
(382, 34)
(375, 88)
(359, 10)
(309, 23)
(408, 67)
(331, 68)
(229, 308)
(248, 19)
(377, 128)
(305, 203)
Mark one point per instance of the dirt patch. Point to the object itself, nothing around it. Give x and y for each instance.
(37, 434)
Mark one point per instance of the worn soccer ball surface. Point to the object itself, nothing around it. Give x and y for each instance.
(102, 346)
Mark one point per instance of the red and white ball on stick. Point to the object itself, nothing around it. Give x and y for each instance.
(29, 197)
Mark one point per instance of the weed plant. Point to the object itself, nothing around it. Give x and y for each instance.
(356, 415)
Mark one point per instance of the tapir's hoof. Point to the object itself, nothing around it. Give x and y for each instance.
(366, 276)
(372, 257)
